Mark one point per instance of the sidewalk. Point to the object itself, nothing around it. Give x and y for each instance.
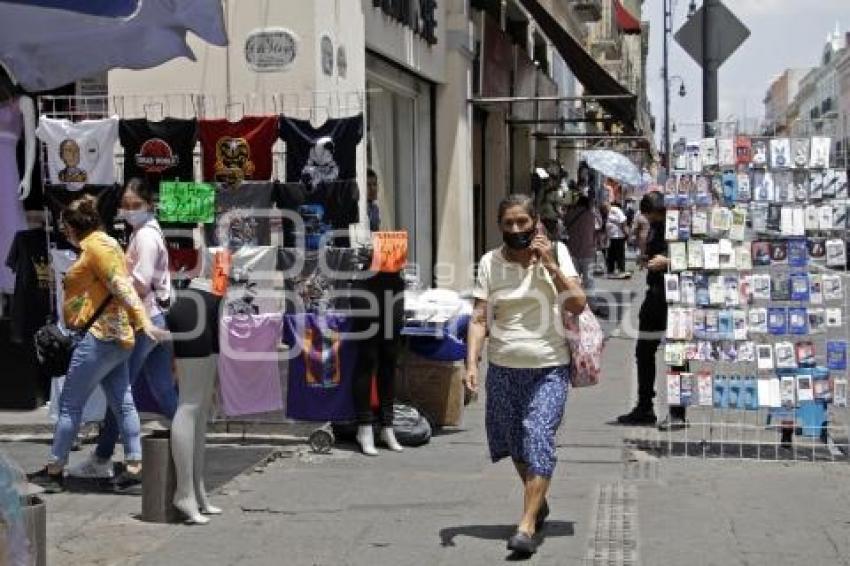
(445, 504)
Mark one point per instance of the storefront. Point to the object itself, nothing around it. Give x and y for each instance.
(399, 129)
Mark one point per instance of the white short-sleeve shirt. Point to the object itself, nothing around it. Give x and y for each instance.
(80, 153)
(525, 328)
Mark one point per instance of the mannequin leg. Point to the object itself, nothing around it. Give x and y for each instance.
(201, 442)
(193, 374)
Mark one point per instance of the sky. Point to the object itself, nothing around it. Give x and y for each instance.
(783, 34)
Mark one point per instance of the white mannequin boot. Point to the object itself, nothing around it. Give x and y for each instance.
(389, 439)
(188, 437)
(366, 440)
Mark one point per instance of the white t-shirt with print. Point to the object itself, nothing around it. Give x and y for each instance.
(525, 328)
(80, 153)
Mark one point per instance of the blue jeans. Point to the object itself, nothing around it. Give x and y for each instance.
(153, 360)
(96, 362)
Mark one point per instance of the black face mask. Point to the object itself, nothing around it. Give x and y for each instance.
(518, 240)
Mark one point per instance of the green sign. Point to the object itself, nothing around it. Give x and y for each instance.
(186, 202)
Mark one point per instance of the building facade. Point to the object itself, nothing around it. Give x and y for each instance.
(779, 97)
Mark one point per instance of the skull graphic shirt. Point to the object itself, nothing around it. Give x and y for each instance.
(324, 154)
(238, 151)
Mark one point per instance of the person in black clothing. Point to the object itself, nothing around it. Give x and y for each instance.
(652, 318)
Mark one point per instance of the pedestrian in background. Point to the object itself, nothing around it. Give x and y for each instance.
(98, 289)
(373, 212)
(580, 226)
(520, 292)
(617, 230)
(652, 318)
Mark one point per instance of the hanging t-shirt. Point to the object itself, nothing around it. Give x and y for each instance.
(339, 199)
(253, 281)
(249, 376)
(193, 320)
(31, 302)
(108, 197)
(321, 367)
(80, 153)
(323, 154)
(238, 151)
(158, 151)
(242, 215)
(61, 261)
(315, 278)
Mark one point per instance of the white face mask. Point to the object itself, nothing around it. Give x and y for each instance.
(136, 218)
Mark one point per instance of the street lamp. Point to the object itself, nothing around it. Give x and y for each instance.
(683, 92)
(692, 8)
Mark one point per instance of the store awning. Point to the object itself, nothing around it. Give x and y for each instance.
(627, 23)
(588, 71)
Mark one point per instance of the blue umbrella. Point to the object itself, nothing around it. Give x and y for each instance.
(614, 166)
(45, 44)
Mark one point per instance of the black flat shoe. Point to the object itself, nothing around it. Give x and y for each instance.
(522, 543)
(541, 515)
(50, 483)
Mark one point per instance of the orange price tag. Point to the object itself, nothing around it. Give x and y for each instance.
(389, 251)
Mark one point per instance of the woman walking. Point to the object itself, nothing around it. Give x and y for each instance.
(520, 292)
(99, 277)
(147, 264)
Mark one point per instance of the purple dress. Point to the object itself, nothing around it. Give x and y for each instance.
(12, 218)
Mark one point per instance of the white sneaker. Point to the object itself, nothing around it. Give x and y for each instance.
(92, 468)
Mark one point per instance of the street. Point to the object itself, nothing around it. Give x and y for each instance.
(446, 504)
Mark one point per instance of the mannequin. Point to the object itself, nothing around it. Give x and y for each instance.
(17, 117)
(196, 362)
(378, 355)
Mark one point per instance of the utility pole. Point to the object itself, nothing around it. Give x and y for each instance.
(710, 66)
(668, 28)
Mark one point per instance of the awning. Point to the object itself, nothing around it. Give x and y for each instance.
(627, 23)
(592, 75)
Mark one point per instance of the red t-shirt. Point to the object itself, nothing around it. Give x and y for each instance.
(238, 150)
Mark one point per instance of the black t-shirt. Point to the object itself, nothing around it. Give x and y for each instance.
(339, 200)
(326, 153)
(158, 151)
(194, 312)
(655, 245)
(108, 197)
(31, 301)
(246, 205)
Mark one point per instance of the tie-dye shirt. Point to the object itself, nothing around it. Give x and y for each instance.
(101, 269)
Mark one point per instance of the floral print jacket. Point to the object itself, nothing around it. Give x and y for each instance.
(99, 271)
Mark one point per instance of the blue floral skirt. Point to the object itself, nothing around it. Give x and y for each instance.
(524, 411)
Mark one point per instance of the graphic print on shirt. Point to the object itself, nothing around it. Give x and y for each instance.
(321, 358)
(156, 156)
(321, 165)
(69, 153)
(233, 162)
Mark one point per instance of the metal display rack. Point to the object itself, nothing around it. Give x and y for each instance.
(741, 425)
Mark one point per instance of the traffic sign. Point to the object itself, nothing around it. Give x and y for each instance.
(728, 34)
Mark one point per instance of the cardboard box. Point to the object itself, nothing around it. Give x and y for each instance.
(435, 388)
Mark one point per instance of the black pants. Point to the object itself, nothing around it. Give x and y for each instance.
(652, 324)
(376, 357)
(616, 258)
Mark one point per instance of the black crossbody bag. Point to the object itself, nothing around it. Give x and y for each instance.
(54, 348)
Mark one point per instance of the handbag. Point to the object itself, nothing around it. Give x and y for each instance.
(586, 341)
(54, 348)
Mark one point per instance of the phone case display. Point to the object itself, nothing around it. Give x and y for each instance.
(758, 250)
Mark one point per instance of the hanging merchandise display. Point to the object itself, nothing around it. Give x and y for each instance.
(31, 301)
(12, 217)
(248, 371)
(752, 252)
(238, 151)
(187, 202)
(244, 215)
(80, 153)
(338, 199)
(159, 150)
(323, 154)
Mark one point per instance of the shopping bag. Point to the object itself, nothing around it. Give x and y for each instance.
(586, 341)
